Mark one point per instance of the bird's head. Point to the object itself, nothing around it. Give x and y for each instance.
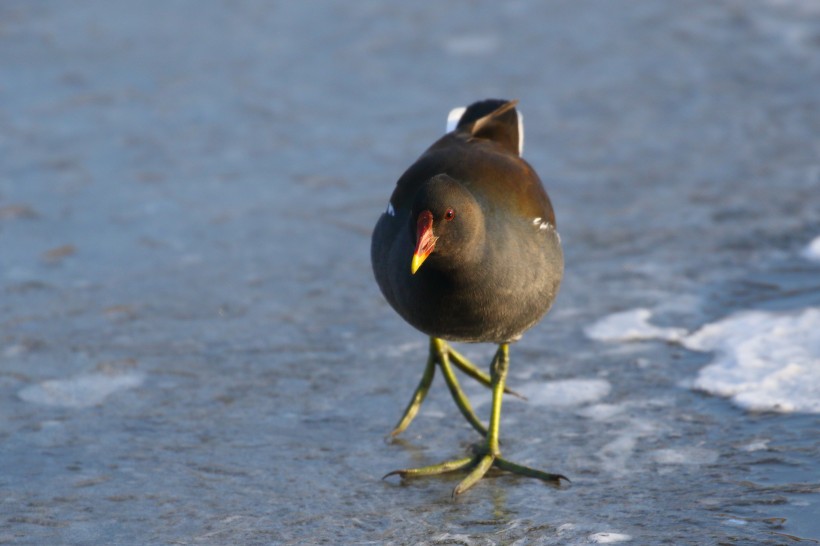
(446, 222)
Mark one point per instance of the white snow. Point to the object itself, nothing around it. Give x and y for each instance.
(602, 412)
(756, 445)
(609, 538)
(812, 251)
(764, 361)
(81, 391)
(566, 392)
(631, 325)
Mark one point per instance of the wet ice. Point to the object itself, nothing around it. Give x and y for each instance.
(81, 391)
(230, 156)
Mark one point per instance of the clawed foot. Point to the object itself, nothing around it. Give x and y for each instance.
(478, 464)
(489, 454)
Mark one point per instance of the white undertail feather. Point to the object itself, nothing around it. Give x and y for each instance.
(454, 117)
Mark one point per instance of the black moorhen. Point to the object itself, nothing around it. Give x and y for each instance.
(467, 250)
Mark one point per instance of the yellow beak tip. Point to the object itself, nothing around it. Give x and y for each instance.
(416, 263)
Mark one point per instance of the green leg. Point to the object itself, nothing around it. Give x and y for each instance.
(463, 364)
(490, 453)
(439, 355)
(498, 374)
(418, 396)
(458, 395)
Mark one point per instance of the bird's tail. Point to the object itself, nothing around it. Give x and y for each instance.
(493, 119)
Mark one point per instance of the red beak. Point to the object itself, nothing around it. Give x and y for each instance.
(425, 240)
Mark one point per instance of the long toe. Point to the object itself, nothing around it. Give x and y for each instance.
(522, 470)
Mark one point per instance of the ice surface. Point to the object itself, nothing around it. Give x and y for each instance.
(566, 392)
(81, 391)
(219, 168)
(471, 44)
(686, 455)
(764, 360)
(812, 250)
(631, 325)
(619, 453)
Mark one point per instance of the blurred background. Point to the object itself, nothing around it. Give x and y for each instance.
(193, 349)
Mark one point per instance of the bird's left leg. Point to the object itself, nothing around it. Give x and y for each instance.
(462, 363)
(490, 455)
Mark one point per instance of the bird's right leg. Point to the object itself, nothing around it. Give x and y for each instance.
(418, 396)
(458, 395)
(439, 355)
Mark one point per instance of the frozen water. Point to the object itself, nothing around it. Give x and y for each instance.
(471, 44)
(190, 192)
(566, 392)
(764, 361)
(80, 392)
(812, 250)
(631, 325)
(625, 437)
(602, 412)
(686, 455)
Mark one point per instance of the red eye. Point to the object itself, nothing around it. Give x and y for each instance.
(449, 215)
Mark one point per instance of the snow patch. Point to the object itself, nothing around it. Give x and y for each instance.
(81, 391)
(631, 325)
(764, 361)
(602, 412)
(756, 445)
(812, 251)
(566, 392)
(608, 538)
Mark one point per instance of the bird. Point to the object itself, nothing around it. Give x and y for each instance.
(468, 250)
